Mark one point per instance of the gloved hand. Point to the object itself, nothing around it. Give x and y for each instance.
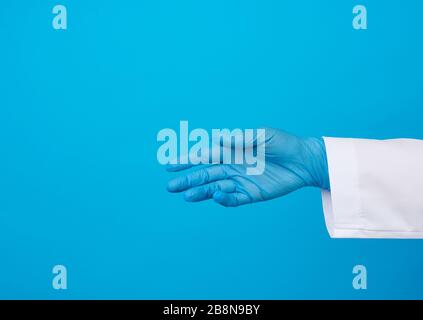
(291, 163)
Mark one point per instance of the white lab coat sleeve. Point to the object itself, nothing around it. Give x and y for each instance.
(376, 188)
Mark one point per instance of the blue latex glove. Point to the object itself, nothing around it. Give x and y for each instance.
(291, 163)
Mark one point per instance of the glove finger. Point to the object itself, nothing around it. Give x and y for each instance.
(211, 156)
(206, 191)
(197, 178)
(178, 167)
(231, 199)
(236, 140)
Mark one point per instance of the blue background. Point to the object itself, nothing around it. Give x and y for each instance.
(80, 109)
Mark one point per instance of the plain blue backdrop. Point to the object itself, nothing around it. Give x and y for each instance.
(80, 109)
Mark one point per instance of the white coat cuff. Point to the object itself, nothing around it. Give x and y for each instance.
(341, 205)
(347, 214)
